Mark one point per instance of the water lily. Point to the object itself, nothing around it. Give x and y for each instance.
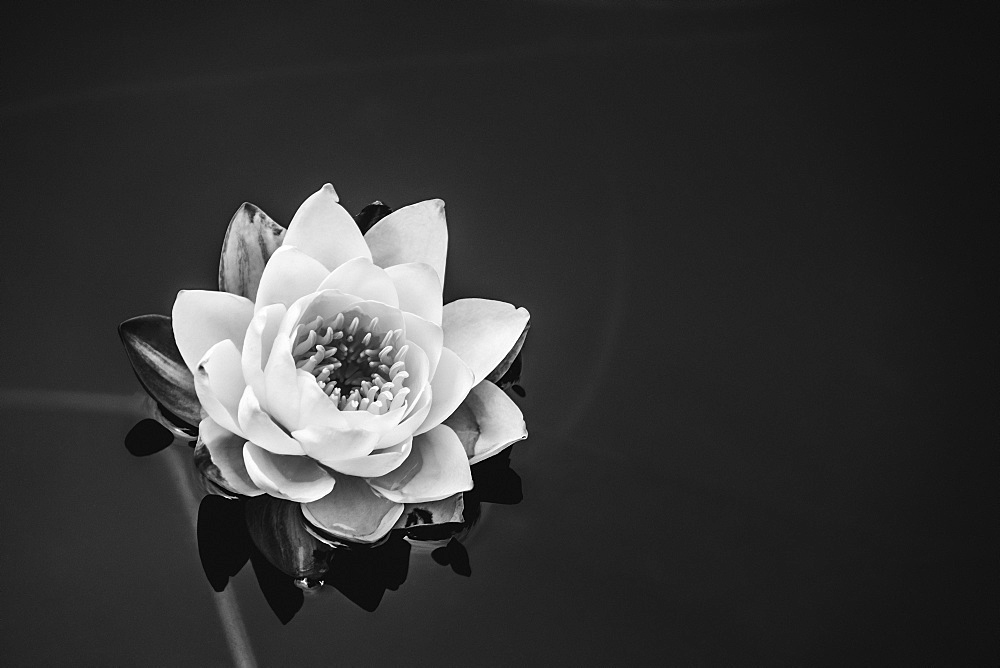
(328, 371)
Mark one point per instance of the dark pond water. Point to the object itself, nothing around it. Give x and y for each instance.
(761, 376)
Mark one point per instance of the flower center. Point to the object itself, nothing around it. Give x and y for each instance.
(358, 367)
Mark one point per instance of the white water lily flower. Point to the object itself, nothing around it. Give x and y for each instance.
(330, 384)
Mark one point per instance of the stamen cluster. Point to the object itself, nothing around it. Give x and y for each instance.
(358, 367)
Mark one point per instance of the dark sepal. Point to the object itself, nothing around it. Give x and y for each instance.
(251, 239)
(149, 344)
(223, 542)
(147, 437)
(370, 215)
(277, 528)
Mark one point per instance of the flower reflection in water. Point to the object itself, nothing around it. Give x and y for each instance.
(290, 560)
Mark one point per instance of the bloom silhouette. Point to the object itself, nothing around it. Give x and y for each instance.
(329, 372)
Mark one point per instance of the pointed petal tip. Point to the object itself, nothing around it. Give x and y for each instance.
(331, 191)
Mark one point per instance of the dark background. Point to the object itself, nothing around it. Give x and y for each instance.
(761, 377)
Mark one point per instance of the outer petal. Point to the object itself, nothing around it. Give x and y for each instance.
(450, 385)
(487, 422)
(378, 463)
(250, 240)
(482, 332)
(353, 511)
(324, 230)
(289, 274)
(286, 476)
(219, 457)
(202, 318)
(363, 279)
(219, 384)
(262, 430)
(436, 468)
(419, 288)
(415, 233)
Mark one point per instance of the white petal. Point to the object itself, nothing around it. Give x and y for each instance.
(414, 233)
(487, 422)
(326, 303)
(361, 278)
(415, 417)
(202, 318)
(482, 332)
(316, 409)
(289, 275)
(261, 429)
(419, 288)
(428, 336)
(287, 476)
(218, 380)
(378, 463)
(353, 510)
(330, 445)
(450, 385)
(436, 468)
(258, 342)
(225, 453)
(325, 231)
(281, 393)
(419, 368)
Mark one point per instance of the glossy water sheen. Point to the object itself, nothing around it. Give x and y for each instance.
(760, 376)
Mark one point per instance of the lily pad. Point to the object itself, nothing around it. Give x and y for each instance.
(150, 346)
(251, 239)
